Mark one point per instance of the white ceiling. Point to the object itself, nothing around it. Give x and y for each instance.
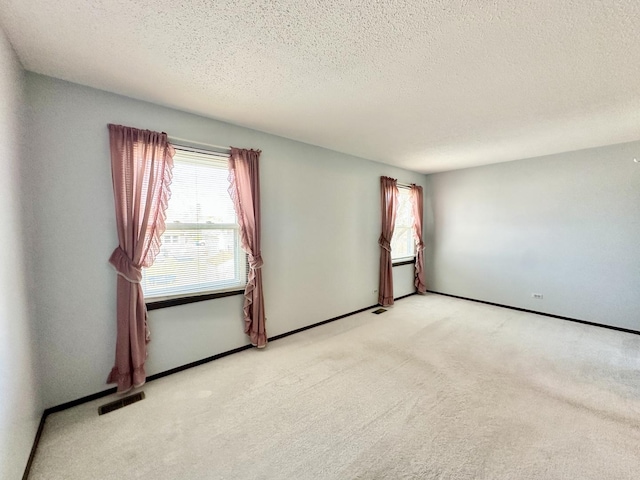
(426, 85)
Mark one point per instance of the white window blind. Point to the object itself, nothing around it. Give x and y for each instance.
(200, 250)
(403, 245)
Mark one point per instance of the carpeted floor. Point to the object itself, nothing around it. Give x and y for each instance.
(435, 388)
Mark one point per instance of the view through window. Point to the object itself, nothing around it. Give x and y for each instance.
(200, 250)
(403, 245)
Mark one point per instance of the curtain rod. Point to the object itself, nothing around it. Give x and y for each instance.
(183, 142)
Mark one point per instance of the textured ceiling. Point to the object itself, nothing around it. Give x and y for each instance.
(425, 85)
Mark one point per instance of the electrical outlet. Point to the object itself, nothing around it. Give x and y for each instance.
(537, 296)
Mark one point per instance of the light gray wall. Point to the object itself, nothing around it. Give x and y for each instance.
(566, 226)
(20, 405)
(320, 213)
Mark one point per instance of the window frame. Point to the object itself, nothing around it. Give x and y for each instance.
(182, 298)
(407, 259)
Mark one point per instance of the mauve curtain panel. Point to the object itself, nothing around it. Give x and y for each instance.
(141, 167)
(416, 202)
(389, 203)
(244, 188)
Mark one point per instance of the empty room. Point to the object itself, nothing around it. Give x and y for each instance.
(309, 239)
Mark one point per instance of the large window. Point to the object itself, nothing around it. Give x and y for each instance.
(403, 245)
(200, 251)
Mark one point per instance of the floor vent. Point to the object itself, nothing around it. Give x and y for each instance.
(379, 311)
(123, 402)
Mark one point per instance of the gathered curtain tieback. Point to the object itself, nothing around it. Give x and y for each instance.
(420, 246)
(255, 261)
(125, 266)
(384, 243)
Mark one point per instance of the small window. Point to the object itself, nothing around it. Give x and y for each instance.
(200, 251)
(403, 245)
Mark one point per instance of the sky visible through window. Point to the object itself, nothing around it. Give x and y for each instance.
(199, 194)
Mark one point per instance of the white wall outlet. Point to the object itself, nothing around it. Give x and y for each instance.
(537, 296)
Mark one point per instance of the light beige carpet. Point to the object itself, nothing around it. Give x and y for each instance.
(436, 388)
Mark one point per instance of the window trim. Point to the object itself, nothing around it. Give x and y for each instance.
(404, 261)
(174, 302)
(396, 262)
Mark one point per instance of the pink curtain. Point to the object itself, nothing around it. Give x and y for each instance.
(141, 165)
(244, 180)
(389, 202)
(416, 202)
